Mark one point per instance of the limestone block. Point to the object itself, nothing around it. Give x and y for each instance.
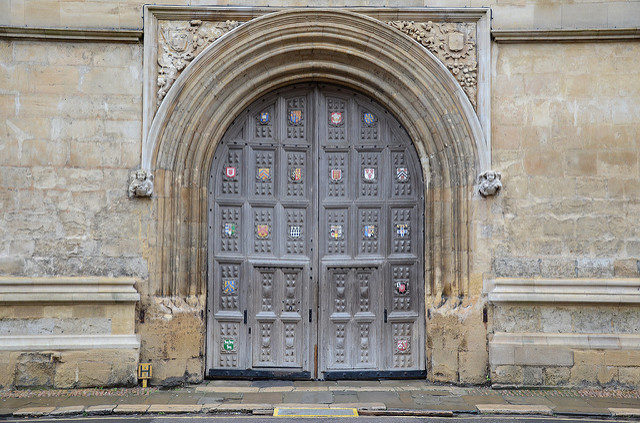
(622, 358)
(178, 338)
(532, 375)
(175, 372)
(629, 376)
(79, 369)
(36, 369)
(626, 268)
(554, 319)
(473, 366)
(42, 13)
(587, 367)
(556, 376)
(8, 363)
(507, 375)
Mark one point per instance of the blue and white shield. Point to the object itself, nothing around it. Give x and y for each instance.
(264, 118)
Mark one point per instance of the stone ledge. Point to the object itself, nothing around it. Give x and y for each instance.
(593, 291)
(67, 289)
(552, 349)
(69, 34)
(564, 35)
(68, 342)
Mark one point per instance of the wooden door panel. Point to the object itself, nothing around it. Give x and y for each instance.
(262, 221)
(316, 210)
(370, 208)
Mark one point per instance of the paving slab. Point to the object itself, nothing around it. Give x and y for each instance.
(33, 411)
(358, 383)
(131, 408)
(262, 397)
(319, 397)
(278, 389)
(364, 388)
(537, 400)
(68, 410)
(624, 412)
(228, 382)
(241, 408)
(484, 399)
(361, 405)
(344, 396)
(99, 409)
(174, 408)
(227, 389)
(577, 407)
(271, 383)
(513, 409)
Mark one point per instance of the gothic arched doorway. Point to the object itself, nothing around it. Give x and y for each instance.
(315, 241)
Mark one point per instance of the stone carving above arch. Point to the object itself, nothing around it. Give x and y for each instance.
(454, 43)
(179, 42)
(451, 37)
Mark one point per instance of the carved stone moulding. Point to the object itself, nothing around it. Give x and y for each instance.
(454, 43)
(179, 42)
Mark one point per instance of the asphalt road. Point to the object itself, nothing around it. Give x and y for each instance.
(259, 419)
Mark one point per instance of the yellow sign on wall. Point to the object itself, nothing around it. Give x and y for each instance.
(144, 373)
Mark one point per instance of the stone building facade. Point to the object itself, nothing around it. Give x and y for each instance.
(516, 125)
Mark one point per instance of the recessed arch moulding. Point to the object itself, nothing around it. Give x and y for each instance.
(338, 47)
(281, 48)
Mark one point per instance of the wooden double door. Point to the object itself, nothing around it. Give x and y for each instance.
(315, 256)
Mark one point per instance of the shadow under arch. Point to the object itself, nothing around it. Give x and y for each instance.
(301, 45)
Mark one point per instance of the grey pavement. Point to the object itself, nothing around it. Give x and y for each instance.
(223, 398)
(254, 419)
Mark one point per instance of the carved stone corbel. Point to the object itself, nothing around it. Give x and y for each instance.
(140, 183)
(489, 183)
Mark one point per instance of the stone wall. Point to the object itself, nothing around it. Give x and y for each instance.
(70, 124)
(67, 332)
(565, 136)
(515, 14)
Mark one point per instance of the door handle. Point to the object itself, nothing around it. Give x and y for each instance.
(310, 315)
(244, 317)
(385, 315)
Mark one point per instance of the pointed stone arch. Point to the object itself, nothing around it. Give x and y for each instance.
(334, 46)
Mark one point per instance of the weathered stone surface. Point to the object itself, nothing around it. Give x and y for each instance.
(67, 411)
(33, 411)
(174, 408)
(36, 369)
(99, 409)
